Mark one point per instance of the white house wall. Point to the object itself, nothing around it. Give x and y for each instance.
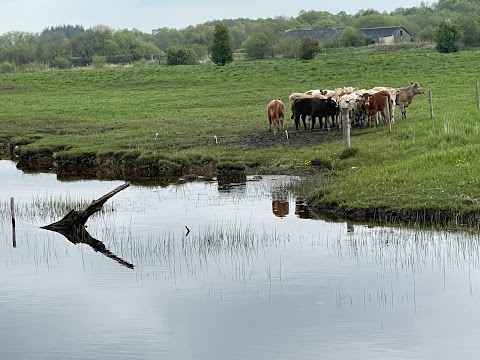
(388, 40)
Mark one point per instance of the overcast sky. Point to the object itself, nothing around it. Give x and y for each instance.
(146, 15)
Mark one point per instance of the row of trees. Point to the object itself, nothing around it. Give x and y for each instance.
(61, 46)
(67, 45)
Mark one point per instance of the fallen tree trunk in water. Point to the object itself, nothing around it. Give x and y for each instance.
(72, 226)
(80, 217)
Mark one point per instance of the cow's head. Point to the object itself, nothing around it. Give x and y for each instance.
(416, 88)
(366, 99)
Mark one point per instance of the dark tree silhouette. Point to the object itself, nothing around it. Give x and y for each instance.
(447, 36)
(222, 47)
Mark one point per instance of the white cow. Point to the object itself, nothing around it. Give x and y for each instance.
(354, 103)
(297, 95)
(314, 92)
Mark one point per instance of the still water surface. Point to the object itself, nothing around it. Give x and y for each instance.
(254, 278)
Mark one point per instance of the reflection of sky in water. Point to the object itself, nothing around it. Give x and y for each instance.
(295, 289)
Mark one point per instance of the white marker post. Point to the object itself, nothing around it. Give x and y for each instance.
(430, 98)
(12, 210)
(346, 128)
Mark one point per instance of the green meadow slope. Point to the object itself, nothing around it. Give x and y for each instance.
(173, 114)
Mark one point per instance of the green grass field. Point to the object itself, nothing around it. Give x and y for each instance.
(421, 164)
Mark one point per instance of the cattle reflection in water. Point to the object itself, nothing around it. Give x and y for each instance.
(280, 208)
(301, 209)
(280, 205)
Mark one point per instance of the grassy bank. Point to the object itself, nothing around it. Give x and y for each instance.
(190, 115)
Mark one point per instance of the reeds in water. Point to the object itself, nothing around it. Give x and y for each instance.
(44, 208)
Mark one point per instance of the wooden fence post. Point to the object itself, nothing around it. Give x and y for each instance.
(12, 210)
(389, 120)
(346, 128)
(478, 95)
(431, 103)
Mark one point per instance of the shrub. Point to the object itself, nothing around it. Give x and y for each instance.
(61, 62)
(140, 63)
(79, 62)
(257, 46)
(447, 35)
(7, 67)
(309, 48)
(351, 37)
(99, 61)
(31, 67)
(181, 56)
(288, 47)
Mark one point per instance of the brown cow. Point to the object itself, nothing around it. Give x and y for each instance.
(375, 103)
(275, 112)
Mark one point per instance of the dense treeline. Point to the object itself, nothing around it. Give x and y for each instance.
(68, 45)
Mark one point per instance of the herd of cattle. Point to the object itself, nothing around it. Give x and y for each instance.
(364, 107)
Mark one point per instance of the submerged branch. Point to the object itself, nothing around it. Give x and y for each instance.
(80, 217)
(72, 226)
(79, 235)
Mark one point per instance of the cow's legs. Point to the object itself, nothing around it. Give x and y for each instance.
(297, 121)
(325, 123)
(403, 110)
(304, 118)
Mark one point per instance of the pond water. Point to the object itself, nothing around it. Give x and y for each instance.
(254, 278)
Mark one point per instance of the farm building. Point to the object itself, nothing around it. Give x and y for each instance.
(378, 35)
(387, 35)
(328, 33)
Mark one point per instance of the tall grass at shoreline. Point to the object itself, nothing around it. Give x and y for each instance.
(422, 163)
(48, 207)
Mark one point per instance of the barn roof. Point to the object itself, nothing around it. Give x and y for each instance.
(318, 34)
(379, 32)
